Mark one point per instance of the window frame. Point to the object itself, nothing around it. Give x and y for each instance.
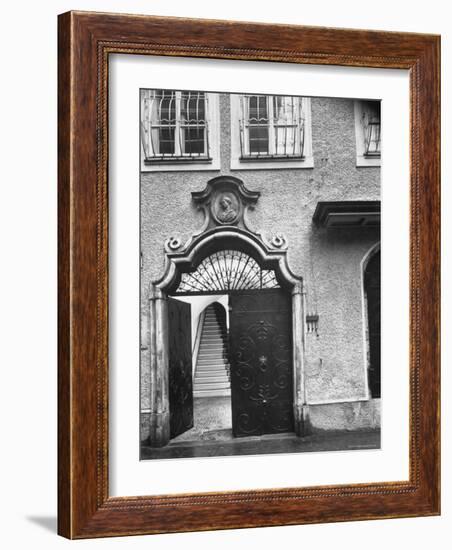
(270, 161)
(272, 125)
(362, 158)
(182, 161)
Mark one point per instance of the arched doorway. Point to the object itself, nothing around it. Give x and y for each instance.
(266, 320)
(260, 343)
(372, 288)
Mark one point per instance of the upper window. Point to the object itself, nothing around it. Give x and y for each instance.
(368, 132)
(271, 126)
(270, 129)
(175, 127)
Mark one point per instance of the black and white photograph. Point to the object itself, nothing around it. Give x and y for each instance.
(260, 273)
(224, 234)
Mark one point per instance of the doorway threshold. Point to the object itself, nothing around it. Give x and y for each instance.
(227, 445)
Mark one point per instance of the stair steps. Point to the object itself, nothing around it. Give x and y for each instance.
(212, 366)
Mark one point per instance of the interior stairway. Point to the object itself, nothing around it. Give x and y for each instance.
(212, 373)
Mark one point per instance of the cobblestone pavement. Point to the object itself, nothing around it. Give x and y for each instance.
(211, 415)
(212, 436)
(225, 444)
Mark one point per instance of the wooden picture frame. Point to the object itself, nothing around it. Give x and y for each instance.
(86, 40)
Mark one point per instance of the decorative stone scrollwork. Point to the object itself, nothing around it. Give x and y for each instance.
(279, 241)
(226, 245)
(225, 201)
(172, 244)
(225, 233)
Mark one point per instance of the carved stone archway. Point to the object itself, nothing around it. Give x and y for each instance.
(225, 202)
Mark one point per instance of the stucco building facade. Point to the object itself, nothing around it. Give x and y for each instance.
(317, 206)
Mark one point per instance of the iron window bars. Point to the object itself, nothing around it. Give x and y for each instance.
(271, 127)
(227, 270)
(174, 126)
(371, 116)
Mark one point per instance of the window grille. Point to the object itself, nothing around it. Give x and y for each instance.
(372, 128)
(174, 125)
(227, 270)
(271, 127)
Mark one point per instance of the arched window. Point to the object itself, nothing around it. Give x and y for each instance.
(373, 291)
(227, 270)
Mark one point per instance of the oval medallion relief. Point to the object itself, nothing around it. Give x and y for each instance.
(226, 208)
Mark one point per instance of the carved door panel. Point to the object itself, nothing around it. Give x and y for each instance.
(372, 287)
(261, 363)
(180, 367)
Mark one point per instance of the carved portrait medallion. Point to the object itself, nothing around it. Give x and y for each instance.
(226, 207)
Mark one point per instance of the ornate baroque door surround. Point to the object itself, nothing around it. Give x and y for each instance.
(225, 202)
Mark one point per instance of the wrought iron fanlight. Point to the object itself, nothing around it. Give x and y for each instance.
(226, 271)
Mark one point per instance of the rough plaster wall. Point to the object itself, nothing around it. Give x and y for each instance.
(336, 355)
(358, 415)
(328, 260)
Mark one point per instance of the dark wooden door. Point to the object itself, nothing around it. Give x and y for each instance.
(180, 367)
(261, 362)
(373, 292)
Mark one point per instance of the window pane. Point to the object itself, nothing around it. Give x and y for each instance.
(193, 120)
(285, 139)
(372, 127)
(257, 120)
(193, 108)
(167, 106)
(163, 120)
(257, 110)
(287, 125)
(258, 139)
(284, 110)
(194, 141)
(166, 140)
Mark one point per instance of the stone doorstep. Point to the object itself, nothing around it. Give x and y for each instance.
(214, 382)
(212, 360)
(227, 437)
(204, 387)
(212, 388)
(211, 363)
(212, 371)
(211, 347)
(208, 369)
(209, 366)
(220, 379)
(218, 375)
(205, 394)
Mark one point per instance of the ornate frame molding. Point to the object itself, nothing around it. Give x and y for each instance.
(85, 507)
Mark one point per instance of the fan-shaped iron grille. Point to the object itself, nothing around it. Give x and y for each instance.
(227, 270)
